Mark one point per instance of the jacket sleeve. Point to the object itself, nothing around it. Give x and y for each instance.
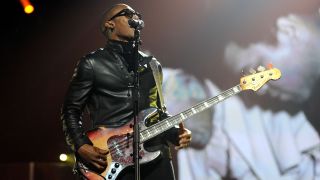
(172, 135)
(74, 103)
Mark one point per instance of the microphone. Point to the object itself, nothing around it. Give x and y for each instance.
(136, 23)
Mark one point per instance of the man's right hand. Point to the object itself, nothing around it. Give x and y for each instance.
(93, 155)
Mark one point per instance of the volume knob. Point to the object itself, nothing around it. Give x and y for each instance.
(113, 170)
(117, 165)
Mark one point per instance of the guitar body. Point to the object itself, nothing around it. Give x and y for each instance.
(118, 141)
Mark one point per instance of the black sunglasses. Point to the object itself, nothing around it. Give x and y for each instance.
(126, 12)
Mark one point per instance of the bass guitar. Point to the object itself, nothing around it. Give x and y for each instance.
(118, 141)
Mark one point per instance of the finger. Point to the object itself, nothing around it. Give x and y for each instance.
(103, 152)
(98, 166)
(103, 157)
(181, 126)
(181, 146)
(185, 135)
(101, 162)
(100, 153)
(188, 136)
(99, 158)
(184, 141)
(185, 132)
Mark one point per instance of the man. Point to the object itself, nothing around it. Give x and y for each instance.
(102, 82)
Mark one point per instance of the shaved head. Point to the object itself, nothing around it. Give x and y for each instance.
(110, 13)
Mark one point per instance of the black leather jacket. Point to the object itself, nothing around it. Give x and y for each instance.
(102, 82)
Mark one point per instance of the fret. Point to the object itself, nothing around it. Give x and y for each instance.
(235, 89)
(202, 107)
(168, 123)
(182, 116)
(165, 124)
(177, 120)
(141, 137)
(148, 133)
(188, 113)
(151, 130)
(156, 129)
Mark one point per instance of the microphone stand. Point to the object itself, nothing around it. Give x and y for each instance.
(136, 96)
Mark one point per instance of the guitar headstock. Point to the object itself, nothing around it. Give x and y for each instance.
(256, 80)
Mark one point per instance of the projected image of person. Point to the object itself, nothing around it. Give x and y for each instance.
(258, 142)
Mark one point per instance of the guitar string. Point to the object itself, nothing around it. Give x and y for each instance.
(163, 124)
(123, 143)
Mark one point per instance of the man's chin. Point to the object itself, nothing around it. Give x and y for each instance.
(128, 38)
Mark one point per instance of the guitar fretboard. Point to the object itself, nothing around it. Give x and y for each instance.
(170, 122)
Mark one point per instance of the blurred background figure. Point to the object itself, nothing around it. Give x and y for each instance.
(181, 91)
(241, 140)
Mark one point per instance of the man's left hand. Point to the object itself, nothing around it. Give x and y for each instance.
(184, 137)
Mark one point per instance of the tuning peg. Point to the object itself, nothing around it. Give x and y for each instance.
(252, 71)
(270, 66)
(242, 73)
(261, 68)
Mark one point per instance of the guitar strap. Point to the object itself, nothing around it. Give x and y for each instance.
(155, 66)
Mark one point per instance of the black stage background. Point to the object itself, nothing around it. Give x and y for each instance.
(39, 51)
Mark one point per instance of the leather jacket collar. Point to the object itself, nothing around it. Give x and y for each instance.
(123, 48)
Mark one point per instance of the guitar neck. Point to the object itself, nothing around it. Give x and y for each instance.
(170, 122)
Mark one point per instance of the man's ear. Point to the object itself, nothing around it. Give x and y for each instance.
(109, 24)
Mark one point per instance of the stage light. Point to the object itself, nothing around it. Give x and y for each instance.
(29, 9)
(27, 6)
(63, 157)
